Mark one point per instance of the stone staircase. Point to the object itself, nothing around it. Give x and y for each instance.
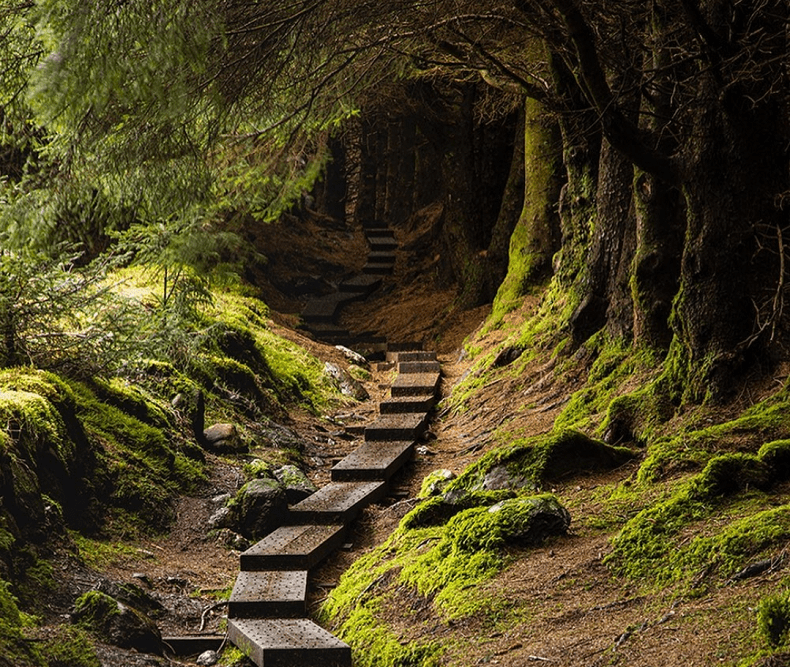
(267, 608)
(267, 611)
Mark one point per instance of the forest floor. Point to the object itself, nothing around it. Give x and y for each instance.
(563, 605)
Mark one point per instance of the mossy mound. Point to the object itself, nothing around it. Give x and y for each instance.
(546, 458)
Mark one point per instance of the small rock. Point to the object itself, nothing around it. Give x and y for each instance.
(422, 450)
(347, 385)
(228, 538)
(207, 658)
(223, 437)
(353, 357)
(221, 499)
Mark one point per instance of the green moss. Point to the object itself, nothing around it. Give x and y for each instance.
(13, 647)
(691, 447)
(435, 483)
(142, 470)
(773, 619)
(647, 546)
(94, 609)
(69, 647)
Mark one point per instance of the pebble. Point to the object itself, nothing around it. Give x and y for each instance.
(207, 658)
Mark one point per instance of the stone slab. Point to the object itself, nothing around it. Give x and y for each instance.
(269, 594)
(293, 548)
(407, 404)
(337, 502)
(419, 367)
(373, 461)
(288, 643)
(374, 224)
(381, 257)
(397, 427)
(415, 384)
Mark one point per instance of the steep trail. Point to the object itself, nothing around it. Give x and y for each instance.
(267, 610)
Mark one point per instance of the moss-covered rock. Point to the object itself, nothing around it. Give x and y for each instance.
(297, 485)
(116, 623)
(260, 506)
(435, 483)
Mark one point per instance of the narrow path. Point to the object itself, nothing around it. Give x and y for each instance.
(267, 610)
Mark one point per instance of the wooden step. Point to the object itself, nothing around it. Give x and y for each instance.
(373, 461)
(397, 427)
(382, 243)
(415, 384)
(293, 548)
(269, 594)
(337, 502)
(288, 643)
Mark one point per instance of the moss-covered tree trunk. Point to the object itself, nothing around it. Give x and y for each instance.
(721, 287)
(536, 236)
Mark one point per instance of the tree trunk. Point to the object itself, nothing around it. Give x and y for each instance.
(365, 208)
(332, 190)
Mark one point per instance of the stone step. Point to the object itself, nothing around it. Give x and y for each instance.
(373, 461)
(322, 309)
(397, 427)
(415, 384)
(269, 594)
(407, 404)
(327, 331)
(288, 643)
(292, 548)
(379, 232)
(377, 269)
(419, 367)
(337, 502)
(416, 355)
(361, 284)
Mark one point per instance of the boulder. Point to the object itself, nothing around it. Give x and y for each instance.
(297, 485)
(222, 518)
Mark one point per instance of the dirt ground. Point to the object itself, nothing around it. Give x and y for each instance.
(572, 610)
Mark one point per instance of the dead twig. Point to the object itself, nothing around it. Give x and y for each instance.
(209, 609)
